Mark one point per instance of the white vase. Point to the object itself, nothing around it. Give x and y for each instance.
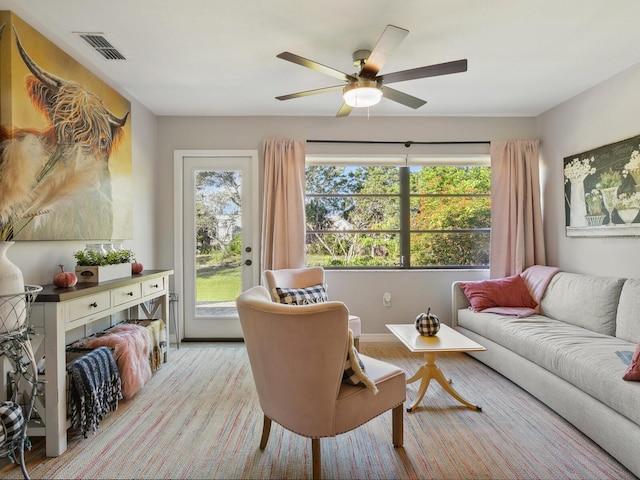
(628, 215)
(578, 208)
(609, 196)
(12, 298)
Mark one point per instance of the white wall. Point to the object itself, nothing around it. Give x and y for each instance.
(412, 292)
(604, 114)
(39, 260)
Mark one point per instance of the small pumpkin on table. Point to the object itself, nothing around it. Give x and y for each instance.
(64, 279)
(136, 267)
(427, 323)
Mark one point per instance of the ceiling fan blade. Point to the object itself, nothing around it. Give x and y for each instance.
(318, 67)
(403, 98)
(344, 110)
(447, 68)
(387, 43)
(310, 92)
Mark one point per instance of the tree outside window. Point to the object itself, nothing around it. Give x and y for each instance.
(426, 216)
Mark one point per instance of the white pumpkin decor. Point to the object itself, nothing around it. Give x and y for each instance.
(427, 323)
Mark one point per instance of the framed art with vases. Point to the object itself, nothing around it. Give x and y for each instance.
(602, 190)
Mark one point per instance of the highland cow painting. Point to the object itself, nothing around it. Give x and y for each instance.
(65, 144)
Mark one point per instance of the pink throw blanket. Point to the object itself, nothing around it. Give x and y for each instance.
(537, 278)
(130, 346)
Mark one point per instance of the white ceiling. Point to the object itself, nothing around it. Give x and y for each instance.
(214, 57)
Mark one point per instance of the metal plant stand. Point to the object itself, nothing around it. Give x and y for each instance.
(15, 345)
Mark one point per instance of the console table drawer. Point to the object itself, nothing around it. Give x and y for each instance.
(125, 294)
(89, 305)
(153, 286)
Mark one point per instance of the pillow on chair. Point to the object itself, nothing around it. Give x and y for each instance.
(302, 296)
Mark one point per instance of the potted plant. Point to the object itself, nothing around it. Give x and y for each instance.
(609, 179)
(96, 265)
(627, 205)
(633, 168)
(594, 216)
(609, 183)
(90, 257)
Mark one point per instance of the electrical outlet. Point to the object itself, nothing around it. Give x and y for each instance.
(386, 299)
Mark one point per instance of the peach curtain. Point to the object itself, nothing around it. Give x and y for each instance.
(283, 214)
(517, 236)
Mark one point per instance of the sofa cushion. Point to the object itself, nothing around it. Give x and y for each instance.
(502, 292)
(628, 318)
(586, 359)
(586, 301)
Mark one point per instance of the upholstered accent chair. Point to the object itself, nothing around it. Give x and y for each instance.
(303, 278)
(297, 355)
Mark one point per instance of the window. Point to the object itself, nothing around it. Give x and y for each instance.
(390, 212)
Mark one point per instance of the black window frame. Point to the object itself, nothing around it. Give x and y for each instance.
(404, 197)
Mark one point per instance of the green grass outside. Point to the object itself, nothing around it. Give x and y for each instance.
(222, 286)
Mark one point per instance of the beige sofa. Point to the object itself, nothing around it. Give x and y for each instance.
(570, 356)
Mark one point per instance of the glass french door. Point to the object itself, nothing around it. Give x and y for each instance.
(219, 240)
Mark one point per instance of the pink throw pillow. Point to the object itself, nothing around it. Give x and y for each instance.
(502, 292)
(633, 372)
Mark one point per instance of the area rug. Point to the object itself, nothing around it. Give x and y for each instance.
(199, 418)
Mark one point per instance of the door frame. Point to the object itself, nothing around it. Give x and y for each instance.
(178, 215)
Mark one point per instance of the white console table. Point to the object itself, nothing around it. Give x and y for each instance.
(59, 310)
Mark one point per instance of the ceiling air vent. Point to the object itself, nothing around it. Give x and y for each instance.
(102, 46)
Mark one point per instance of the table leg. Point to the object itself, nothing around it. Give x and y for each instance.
(430, 371)
(55, 387)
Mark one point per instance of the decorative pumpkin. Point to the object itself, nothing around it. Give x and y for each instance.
(64, 279)
(136, 267)
(427, 323)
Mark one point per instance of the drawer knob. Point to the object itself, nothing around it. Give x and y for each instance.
(94, 304)
(155, 286)
(130, 294)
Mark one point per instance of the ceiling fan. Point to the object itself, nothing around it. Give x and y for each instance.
(365, 88)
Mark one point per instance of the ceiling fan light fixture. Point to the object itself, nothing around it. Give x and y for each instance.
(362, 94)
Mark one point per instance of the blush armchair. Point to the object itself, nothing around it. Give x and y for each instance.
(297, 356)
(302, 278)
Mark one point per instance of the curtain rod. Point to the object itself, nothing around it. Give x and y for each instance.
(407, 144)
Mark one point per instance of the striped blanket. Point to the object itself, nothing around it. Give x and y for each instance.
(94, 388)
